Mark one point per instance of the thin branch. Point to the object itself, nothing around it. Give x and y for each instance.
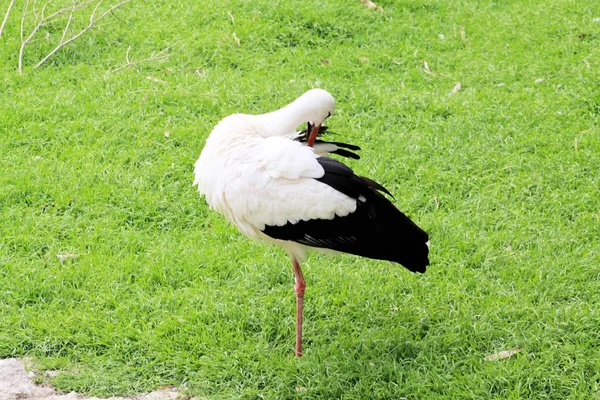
(42, 21)
(62, 10)
(33, 32)
(93, 21)
(94, 11)
(23, 17)
(62, 39)
(25, 7)
(34, 10)
(155, 56)
(119, 18)
(6, 17)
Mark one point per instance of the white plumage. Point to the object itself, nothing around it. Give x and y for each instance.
(272, 186)
(254, 172)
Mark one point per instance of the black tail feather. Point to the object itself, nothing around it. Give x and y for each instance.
(376, 229)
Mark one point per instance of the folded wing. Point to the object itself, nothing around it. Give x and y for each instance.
(374, 229)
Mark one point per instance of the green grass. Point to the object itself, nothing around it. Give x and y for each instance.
(504, 175)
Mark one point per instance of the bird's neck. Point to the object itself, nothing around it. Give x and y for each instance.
(285, 120)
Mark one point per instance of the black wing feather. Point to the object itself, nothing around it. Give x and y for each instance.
(343, 148)
(377, 229)
(374, 185)
(344, 153)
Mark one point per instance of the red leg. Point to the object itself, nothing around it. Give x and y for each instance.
(299, 289)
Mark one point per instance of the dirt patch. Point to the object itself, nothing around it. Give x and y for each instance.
(17, 384)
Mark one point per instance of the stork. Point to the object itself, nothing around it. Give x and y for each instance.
(280, 185)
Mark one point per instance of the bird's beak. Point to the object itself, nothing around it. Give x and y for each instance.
(312, 134)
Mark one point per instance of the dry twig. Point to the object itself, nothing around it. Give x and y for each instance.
(6, 16)
(93, 21)
(153, 79)
(42, 19)
(587, 64)
(501, 355)
(427, 70)
(154, 56)
(457, 87)
(62, 39)
(372, 5)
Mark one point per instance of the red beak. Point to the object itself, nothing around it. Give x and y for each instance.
(312, 135)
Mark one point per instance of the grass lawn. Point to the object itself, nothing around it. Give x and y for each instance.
(114, 271)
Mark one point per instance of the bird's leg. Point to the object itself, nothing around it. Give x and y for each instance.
(312, 135)
(299, 289)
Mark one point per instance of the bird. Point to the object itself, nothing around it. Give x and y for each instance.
(281, 185)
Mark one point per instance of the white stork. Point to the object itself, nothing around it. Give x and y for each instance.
(277, 184)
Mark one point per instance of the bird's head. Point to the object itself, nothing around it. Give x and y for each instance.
(317, 106)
